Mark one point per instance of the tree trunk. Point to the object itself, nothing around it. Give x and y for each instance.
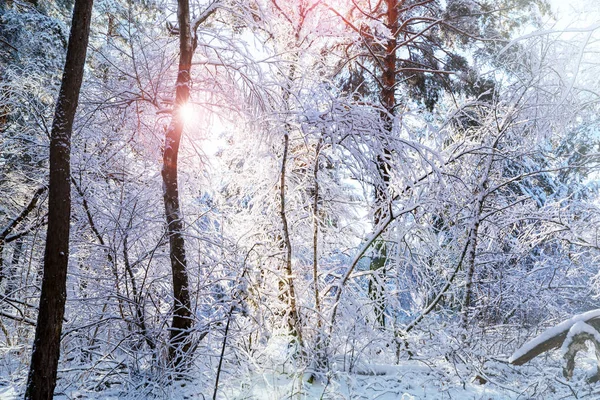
(289, 295)
(320, 362)
(294, 323)
(471, 256)
(14, 268)
(388, 102)
(46, 347)
(182, 318)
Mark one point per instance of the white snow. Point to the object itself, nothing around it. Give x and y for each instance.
(410, 380)
(576, 329)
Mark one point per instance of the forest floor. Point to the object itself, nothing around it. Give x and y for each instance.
(431, 379)
(440, 378)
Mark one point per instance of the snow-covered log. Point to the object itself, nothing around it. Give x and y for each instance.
(578, 335)
(553, 338)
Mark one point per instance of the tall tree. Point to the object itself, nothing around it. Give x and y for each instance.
(46, 346)
(182, 316)
(407, 53)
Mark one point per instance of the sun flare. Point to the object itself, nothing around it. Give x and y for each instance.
(187, 113)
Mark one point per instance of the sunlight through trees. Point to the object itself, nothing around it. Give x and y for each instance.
(268, 199)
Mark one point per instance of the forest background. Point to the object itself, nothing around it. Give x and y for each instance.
(310, 198)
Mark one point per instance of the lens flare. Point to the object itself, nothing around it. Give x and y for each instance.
(187, 114)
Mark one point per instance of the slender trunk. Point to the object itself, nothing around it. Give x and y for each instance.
(109, 252)
(181, 325)
(294, 322)
(3, 273)
(222, 355)
(316, 237)
(481, 193)
(376, 287)
(138, 303)
(46, 346)
(14, 267)
(232, 309)
(466, 260)
(388, 103)
(433, 304)
(471, 265)
(320, 356)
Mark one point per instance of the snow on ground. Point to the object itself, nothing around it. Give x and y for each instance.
(447, 375)
(410, 380)
(433, 380)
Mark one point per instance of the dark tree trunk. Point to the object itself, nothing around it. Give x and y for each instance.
(182, 318)
(46, 345)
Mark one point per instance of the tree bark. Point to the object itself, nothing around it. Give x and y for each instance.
(46, 346)
(579, 343)
(182, 318)
(316, 237)
(388, 103)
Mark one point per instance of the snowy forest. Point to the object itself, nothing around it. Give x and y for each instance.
(299, 199)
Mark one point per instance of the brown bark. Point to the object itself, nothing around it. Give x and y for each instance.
(46, 345)
(181, 325)
(388, 79)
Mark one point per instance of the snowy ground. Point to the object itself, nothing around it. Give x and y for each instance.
(419, 380)
(412, 379)
(444, 367)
